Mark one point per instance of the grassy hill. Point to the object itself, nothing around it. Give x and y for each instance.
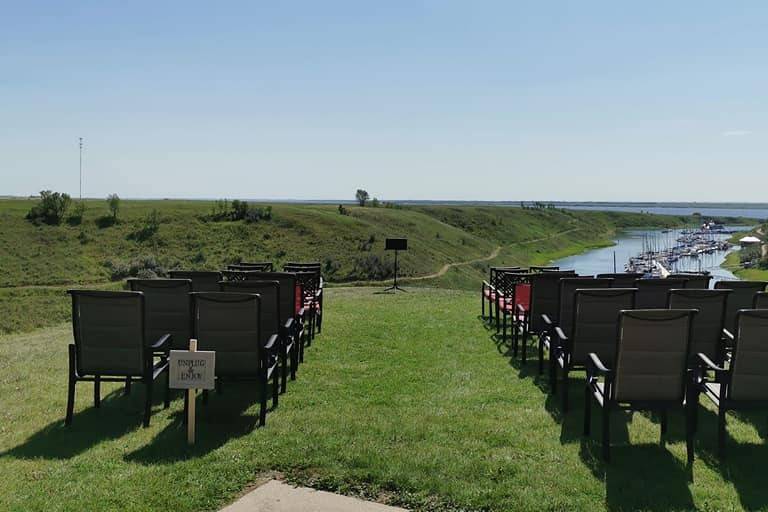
(38, 262)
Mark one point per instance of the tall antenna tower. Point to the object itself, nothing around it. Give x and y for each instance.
(81, 169)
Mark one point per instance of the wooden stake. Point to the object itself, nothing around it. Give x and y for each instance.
(191, 393)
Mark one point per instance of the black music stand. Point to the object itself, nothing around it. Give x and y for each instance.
(397, 245)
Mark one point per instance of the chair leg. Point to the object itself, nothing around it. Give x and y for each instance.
(524, 348)
(587, 409)
(504, 327)
(148, 401)
(482, 303)
(552, 372)
(283, 370)
(721, 432)
(606, 431)
(127, 386)
(541, 354)
(71, 387)
(167, 401)
(97, 391)
(690, 429)
(205, 397)
(564, 394)
(263, 399)
(275, 387)
(294, 359)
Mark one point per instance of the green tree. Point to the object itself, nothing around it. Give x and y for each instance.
(362, 196)
(50, 209)
(113, 201)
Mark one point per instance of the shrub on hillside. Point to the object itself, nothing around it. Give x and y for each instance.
(223, 210)
(148, 229)
(371, 268)
(51, 208)
(76, 217)
(145, 267)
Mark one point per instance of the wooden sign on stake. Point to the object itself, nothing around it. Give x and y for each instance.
(192, 370)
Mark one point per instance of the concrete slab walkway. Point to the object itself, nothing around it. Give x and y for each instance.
(276, 496)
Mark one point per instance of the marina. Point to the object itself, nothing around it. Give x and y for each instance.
(657, 253)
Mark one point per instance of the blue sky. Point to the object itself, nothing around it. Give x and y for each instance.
(410, 100)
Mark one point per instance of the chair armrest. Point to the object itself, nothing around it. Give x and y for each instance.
(561, 334)
(521, 309)
(288, 324)
(707, 364)
(318, 293)
(595, 364)
(271, 342)
(547, 321)
(727, 336)
(159, 344)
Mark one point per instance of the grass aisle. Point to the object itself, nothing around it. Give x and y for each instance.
(403, 398)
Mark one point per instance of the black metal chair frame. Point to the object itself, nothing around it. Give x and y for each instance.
(722, 376)
(269, 358)
(604, 397)
(286, 333)
(149, 374)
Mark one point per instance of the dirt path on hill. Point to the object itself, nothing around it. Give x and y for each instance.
(494, 254)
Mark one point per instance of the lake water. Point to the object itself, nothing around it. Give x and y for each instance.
(630, 243)
(706, 211)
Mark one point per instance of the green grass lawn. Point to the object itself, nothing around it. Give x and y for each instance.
(405, 398)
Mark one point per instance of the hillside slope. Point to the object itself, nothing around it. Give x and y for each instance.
(38, 262)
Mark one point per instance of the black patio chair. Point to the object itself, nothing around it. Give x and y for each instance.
(488, 289)
(111, 345)
(593, 329)
(545, 299)
(648, 371)
(744, 383)
(652, 293)
(262, 266)
(742, 297)
(707, 332)
(693, 280)
(167, 309)
(291, 306)
(202, 280)
(230, 325)
(622, 279)
(273, 321)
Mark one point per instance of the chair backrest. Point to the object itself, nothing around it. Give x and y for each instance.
(708, 323)
(761, 301)
(269, 291)
(166, 309)
(596, 317)
(264, 266)
(545, 296)
(652, 293)
(507, 279)
(495, 274)
(622, 279)
(229, 324)
(290, 291)
(749, 367)
(692, 280)
(108, 328)
(742, 297)
(568, 287)
(542, 268)
(202, 280)
(652, 355)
